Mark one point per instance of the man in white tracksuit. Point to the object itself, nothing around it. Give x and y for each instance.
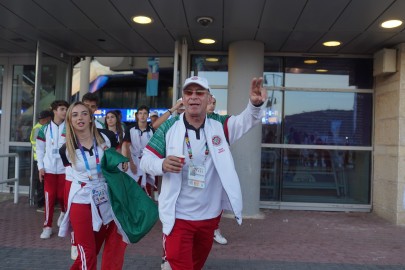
(50, 167)
(195, 192)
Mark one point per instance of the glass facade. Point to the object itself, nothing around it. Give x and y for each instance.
(295, 117)
(129, 90)
(315, 175)
(24, 153)
(337, 73)
(316, 132)
(51, 87)
(22, 101)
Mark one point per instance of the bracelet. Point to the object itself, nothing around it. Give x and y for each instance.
(170, 112)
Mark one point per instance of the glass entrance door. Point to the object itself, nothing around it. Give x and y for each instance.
(22, 82)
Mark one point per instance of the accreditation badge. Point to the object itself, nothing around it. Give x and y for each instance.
(196, 176)
(99, 195)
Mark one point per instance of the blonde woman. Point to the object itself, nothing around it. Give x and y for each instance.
(89, 211)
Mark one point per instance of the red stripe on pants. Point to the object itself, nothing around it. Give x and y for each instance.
(68, 184)
(189, 243)
(89, 242)
(54, 187)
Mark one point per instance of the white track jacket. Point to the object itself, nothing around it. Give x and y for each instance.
(50, 138)
(219, 130)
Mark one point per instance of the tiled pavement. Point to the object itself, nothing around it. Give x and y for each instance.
(282, 240)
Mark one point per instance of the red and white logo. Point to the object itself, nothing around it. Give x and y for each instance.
(216, 140)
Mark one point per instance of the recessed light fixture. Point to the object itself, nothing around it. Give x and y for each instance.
(321, 70)
(332, 43)
(142, 19)
(207, 41)
(310, 61)
(391, 24)
(212, 59)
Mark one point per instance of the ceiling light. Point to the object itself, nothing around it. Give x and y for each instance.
(142, 19)
(332, 43)
(321, 70)
(212, 59)
(391, 24)
(207, 41)
(310, 61)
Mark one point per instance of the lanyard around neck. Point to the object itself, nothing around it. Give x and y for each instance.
(86, 162)
(50, 129)
(190, 152)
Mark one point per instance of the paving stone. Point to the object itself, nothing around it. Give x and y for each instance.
(282, 240)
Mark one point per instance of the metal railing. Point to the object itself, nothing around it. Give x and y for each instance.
(16, 178)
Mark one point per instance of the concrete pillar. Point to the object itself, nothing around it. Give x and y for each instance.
(246, 60)
(84, 76)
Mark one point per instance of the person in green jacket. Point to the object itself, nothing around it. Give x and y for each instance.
(43, 118)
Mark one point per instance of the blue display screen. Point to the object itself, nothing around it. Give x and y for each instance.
(128, 115)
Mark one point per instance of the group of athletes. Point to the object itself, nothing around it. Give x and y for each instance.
(192, 192)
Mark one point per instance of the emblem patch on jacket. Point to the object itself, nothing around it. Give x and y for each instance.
(216, 140)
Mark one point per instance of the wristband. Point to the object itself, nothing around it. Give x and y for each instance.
(170, 112)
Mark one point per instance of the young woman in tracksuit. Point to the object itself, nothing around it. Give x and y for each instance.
(89, 211)
(51, 170)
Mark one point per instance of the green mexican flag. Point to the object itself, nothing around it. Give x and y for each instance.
(132, 207)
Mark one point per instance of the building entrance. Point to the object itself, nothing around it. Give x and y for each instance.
(26, 89)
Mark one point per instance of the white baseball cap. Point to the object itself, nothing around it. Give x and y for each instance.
(197, 80)
(155, 113)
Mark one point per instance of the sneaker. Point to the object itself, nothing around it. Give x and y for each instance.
(46, 233)
(41, 209)
(73, 252)
(165, 265)
(219, 238)
(62, 214)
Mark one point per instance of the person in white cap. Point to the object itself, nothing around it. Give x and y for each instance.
(153, 117)
(196, 188)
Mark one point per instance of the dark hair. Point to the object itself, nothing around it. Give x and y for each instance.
(143, 107)
(91, 97)
(59, 103)
(44, 114)
(118, 125)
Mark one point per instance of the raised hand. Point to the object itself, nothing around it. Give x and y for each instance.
(258, 94)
